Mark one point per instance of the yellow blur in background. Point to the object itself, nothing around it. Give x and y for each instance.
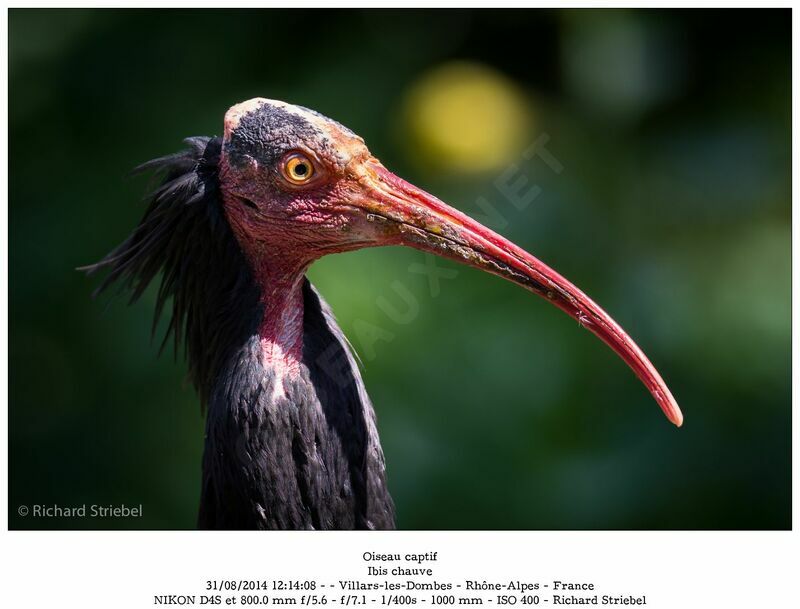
(466, 118)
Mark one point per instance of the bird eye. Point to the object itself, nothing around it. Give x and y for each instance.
(298, 168)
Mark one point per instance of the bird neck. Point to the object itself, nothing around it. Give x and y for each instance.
(280, 330)
(277, 271)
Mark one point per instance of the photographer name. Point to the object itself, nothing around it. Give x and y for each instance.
(86, 511)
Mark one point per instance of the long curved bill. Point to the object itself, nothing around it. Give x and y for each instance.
(412, 217)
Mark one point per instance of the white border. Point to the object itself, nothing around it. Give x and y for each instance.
(125, 569)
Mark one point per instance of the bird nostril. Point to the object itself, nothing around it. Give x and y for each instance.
(247, 202)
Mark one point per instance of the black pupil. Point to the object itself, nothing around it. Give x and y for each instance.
(301, 169)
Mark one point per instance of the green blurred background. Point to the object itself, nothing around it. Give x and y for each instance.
(495, 410)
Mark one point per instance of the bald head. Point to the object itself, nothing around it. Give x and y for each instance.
(287, 176)
(262, 131)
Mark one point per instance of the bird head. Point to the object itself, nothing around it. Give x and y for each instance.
(298, 185)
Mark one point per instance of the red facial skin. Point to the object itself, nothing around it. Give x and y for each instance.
(289, 228)
(352, 202)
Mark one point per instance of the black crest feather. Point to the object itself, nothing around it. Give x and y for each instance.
(185, 236)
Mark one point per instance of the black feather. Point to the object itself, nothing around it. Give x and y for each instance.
(309, 459)
(185, 236)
